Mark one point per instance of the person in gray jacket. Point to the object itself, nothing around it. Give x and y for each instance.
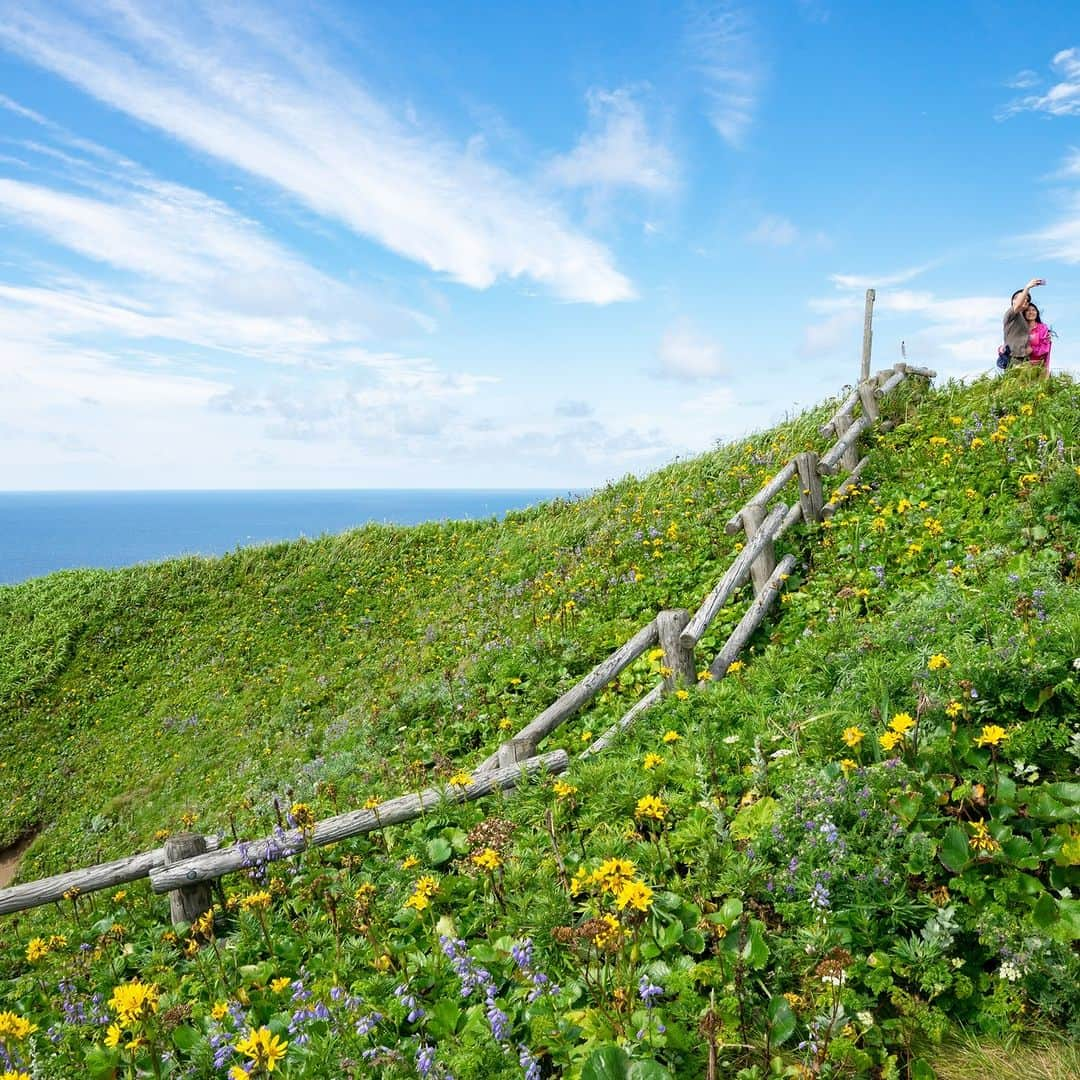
(1016, 326)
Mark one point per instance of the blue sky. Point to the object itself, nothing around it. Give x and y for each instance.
(504, 245)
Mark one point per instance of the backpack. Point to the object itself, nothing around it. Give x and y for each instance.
(1004, 357)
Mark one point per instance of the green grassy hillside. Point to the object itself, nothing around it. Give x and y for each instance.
(862, 840)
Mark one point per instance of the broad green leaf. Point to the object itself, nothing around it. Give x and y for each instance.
(921, 1070)
(185, 1037)
(439, 851)
(781, 1021)
(693, 941)
(754, 819)
(1045, 911)
(954, 849)
(647, 1070)
(606, 1063)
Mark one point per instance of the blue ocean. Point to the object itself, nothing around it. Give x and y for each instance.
(45, 531)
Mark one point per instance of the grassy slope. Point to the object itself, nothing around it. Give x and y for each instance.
(208, 686)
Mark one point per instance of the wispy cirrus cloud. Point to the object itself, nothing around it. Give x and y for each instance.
(687, 354)
(882, 281)
(1062, 99)
(270, 106)
(725, 54)
(618, 150)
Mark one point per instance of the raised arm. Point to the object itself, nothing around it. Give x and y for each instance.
(1021, 299)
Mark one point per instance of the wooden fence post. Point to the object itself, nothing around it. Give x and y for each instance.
(678, 658)
(867, 335)
(869, 399)
(514, 750)
(762, 567)
(810, 495)
(187, 903)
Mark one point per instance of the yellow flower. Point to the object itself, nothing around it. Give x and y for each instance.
(1026, 409)
(302, 815)
(371, 803)
(889, 739)
(982, 841)
(938, 440)
(563, 790)
(188, 819)
(119, 895)
(705, 676)
(134, 1001)
(853, 736)
(651, 761)
(933, 526)
(461, 779)
(256, 901)
(418, 902)
(650, 806)
(264, 1048)
(913, 549)
(901, 722)
(409, 862)
(586, 736)
(36, 949)
(579, 882)
(635, 894)
(609, 933)
(238, 1072)
(977, 443)
(113, 1036)
(221, 1009)
(682, 695)
(671, 736)
(938, 662)
(954, 708)
(992, 735)
(903, 506)
(505, 724)
(13, 1026)
(612, 875)
(735, 667)
(381, 963)
(279, 984)
(847, 765)
(488, 859)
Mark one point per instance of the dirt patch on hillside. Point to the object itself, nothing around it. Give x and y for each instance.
(10, 858)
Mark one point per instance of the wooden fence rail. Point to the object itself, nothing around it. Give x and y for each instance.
(517, 758)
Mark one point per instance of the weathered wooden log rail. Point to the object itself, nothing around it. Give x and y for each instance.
(184, 878)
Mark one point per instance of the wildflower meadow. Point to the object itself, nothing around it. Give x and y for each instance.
(854, 855)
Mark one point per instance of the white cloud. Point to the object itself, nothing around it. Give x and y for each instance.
(263, 103)
(1062, 99)
(774, 230)
(1023, 80)
(1060, 239)
(882, 281)
(725, 54)
(686, 354)
(618, 150)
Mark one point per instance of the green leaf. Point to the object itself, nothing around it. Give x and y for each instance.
(729, 912)
(101, 1063)
(671, 935)
(185, 1037)
(647, 1070)
(781, 1021)
(954, 849)
(921, 1070)
(607, 1063)
(755, 952)
(693, 941)
(755, 818)
(439, 851)
(443, 1019)
(1045, 912)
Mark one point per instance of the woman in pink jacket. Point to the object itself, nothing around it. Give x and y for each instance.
(1038, 338)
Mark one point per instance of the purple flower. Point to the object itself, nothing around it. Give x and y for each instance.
(649, 992)
(425, 1058)
(819, 897)
(522, 953)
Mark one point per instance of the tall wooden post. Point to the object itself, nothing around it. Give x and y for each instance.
(187, 903)
(810, 496)
(678, 658)
(762, 567)
(867, 335)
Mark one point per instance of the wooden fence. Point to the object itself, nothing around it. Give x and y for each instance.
(187, 862)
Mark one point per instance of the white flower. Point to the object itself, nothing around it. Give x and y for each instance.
(1009, 971)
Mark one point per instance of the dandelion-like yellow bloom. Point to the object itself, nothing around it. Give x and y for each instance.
(579, 882)
(671, 736)
(890, 739)
(954, 708)
(461, 779)
(847, 765)
(563, 790)
(705, 676)
(14, 1026)
(134, 1001)
(586, 736)
(427, 885)
(418, 902)
(279, 984)
(651, 806)
(853, 736)
(303, 815)
(264, 1048)
(903, 506)
(992, 735)
(256, 901)
(933, 526)
(113, 1036)
(371, 803)
(682, 695)
(938, 440)
(119, 895)
(938, 662)
(488, 859)
(382, 963)
(36, 949)
(651, 761)
(505, 724)
(901, 723)
(238, 1072)
(635, 894)
(409, 862)
(735, 667)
